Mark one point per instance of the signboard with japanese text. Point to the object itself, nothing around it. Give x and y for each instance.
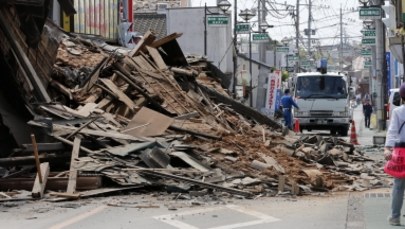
(260, 37)
(217, 20)
(273, 93)
(369, 13)
(368, 41)
(369, 33)
(242, 28)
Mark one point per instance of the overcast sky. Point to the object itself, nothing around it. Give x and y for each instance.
(325, 14)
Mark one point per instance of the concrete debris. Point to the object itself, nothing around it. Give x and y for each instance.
(149, 118)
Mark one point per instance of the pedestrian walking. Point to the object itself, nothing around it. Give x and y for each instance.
(367, 110)
(395, 139)
(287, 103)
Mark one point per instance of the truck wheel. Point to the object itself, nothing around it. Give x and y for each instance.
(343, 131)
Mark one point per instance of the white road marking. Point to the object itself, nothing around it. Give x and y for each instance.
(262, 218)
(79, 217)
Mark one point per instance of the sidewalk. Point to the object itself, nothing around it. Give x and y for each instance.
(364, 135)
(376, 203)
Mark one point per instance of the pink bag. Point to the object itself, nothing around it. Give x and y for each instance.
(396, 166)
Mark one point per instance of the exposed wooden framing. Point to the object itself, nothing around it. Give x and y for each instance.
(39, 187)
(22, 58)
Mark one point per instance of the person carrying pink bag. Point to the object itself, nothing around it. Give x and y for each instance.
(394, 153)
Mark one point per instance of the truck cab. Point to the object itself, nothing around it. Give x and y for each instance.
(323, 101)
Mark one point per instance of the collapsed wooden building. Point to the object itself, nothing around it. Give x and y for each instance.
(89, 118)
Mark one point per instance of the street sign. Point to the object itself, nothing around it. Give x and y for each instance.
(305, 63)
(368, 41)
(261, 37)
(283, 49)
(368, 33)
(366, 52)
(370, 13)
(217, 20)
(367, 64)
(242, 28)
(292, 57)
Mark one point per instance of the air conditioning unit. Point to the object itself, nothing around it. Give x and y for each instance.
(161, 8)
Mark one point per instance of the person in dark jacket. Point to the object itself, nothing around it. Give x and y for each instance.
(367, 110)
(287, 103)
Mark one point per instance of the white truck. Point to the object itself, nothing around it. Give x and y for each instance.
(324, 102)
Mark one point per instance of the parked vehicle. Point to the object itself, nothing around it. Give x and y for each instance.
(394, 101)
(324, 102)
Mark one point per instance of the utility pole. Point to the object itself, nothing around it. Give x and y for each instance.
(297, 37)
(380, 59)
(235, 51)
(341, 40)
(309, 28)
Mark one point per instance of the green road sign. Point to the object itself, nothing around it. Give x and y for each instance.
(305, 63)
(242, 28)
(370, 13)
(282, 49)
(367, 64)
(260, 37)
(366, 52)
(368, 33)
(292, 57)
(368, 41)
(217, 20)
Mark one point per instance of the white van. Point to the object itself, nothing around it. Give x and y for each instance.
(393, 101)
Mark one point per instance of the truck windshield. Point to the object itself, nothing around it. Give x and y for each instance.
(321, 87)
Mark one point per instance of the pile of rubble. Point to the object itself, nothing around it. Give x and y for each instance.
(150, 117)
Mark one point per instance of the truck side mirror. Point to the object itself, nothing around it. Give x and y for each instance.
(396, 100)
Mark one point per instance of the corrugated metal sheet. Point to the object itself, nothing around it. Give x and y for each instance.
(97, 17)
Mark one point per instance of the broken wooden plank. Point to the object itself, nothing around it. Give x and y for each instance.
(200, 183)
(120, 95)
(100, 191)
(176, 128)
(39, 187)
(71, 188)
(53, 183)
(109, 134)
(157, 58)
(71, 143)
(164, 40)
(147, 122)
(70, 196)
(147, 39)
(37, 163)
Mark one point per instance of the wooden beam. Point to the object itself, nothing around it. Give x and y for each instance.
(71, 188)
(53, 183)
(160, 63)
(34, 144)
(39, 187)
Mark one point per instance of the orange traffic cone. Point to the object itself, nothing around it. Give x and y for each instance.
(297, 126)
(353, 135)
